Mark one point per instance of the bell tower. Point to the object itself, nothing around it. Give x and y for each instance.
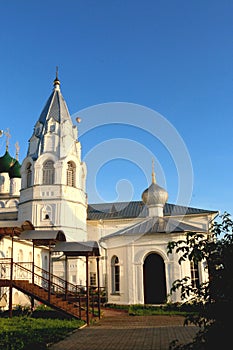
(53, 193)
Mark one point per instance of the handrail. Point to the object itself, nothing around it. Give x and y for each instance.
(42, 278)
(61, 280)
(14, 272)
(24, 270)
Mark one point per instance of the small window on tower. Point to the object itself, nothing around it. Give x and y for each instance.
(70, 174)
(29, 175)
(37, 131)
(46, 212)
(52, 128)
(48, 173)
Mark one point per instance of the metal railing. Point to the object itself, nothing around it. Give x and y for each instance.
(51, 283)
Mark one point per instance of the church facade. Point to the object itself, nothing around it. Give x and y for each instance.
(49, 190)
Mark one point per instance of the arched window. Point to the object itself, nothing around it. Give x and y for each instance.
(2, 183)
(48, 172)
(29, 261)
(70, 174)
(45, 267)
(195, 278)
(46, 212)
(38, 260)
(9, 252)
(115, 267)
(20, 256)
(29, 175)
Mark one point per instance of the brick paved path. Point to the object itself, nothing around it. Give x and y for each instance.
(118, 331)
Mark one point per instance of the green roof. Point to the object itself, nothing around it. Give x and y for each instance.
(10, 165)
(14, 171)
(6, 162)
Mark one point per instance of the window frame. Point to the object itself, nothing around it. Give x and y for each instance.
(29, 175)
(70, 174)
(195, 275)
(115, 275)
(48, 172)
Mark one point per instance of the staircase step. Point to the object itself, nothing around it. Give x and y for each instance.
(69, 304)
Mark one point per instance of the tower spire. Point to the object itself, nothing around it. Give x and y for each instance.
(153, 172)
(56, 82)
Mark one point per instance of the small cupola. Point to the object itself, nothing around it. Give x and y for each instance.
(155, 197)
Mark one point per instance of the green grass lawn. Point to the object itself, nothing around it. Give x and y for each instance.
(26, 332)
(149, 310)
(37, 330)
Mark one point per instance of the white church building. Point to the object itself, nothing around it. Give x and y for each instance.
(47, 192)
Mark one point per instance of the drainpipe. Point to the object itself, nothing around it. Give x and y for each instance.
(33, 271)
(103, 246)
(49, 282)
(11, 276)
(66, 276)
(87, 291)
(98, 284)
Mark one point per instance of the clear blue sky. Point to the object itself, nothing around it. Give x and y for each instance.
(174, 57)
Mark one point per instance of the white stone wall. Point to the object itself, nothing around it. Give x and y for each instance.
(132, 251)
(56, 206)
(131, 258)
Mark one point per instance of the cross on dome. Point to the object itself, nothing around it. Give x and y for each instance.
(153, 171)
(17, 150)
(8, 136)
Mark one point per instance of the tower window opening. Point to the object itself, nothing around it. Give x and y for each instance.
(48, 173)
(70, 174)
(52, 128)
(46, 213)
(29, 175)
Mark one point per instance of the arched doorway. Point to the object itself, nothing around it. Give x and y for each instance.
(154, 279)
